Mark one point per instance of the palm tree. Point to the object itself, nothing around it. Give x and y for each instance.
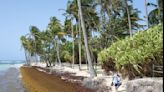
(24, 45)
(91, 68)
(156, 15)
(160, 10)
(153, 18)
(121, 20)
(34, 32)
(55, 29)
(90, 16)
(146, 12)
(46, 45)
(73, 45)
(116, 9)
(69, 28)
(28, 45)
(79, 42)
(129, 19)
(72, 11)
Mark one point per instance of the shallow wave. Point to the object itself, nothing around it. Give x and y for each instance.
(10, 81)
(4, 67)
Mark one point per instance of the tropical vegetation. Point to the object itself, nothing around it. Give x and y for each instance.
(135, 56)
(98, 31)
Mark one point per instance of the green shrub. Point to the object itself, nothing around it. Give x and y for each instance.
(131, 54)
(66, 56)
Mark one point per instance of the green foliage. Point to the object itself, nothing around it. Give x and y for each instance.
(66, 56)
(156, 15)
(133, 52)
(117, 25)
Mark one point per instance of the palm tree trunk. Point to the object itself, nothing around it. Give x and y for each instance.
(29, 58)
(79, 45)
(86, 61)
(73, 47)
(146, 11)
(58, 55)
(129, 19)
(27, 61)
(159, 10)
(35, 56)
(93, 59)
(91, 68)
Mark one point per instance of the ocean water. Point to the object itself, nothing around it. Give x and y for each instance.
(10, 78)
(4, 67)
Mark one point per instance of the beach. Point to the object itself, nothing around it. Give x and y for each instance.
(41, 79)
(38, 78)
(10, 80)
(38, 81)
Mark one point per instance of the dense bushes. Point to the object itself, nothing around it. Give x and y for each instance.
(135, 56)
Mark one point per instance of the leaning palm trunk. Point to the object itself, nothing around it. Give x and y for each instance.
(146, 11)
(93, 59)
(79, 44)
(36, 59)
(58, 55)
(159, 10)
(26, 56)
(91, 68)
(129, 19)
(27, 59)
(86, 61)
(73, 47)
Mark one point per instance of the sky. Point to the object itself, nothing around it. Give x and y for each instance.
(17, 15)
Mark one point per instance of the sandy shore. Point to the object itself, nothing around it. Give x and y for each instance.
(10, 81)
(38, 81)
(66, 68)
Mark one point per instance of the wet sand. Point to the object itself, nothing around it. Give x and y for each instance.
(10, 81)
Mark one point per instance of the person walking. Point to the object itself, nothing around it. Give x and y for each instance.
(116, 81)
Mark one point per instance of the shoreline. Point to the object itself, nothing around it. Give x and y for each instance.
(102, 82)
(35, 80)
(11, 81)
(5, 67)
